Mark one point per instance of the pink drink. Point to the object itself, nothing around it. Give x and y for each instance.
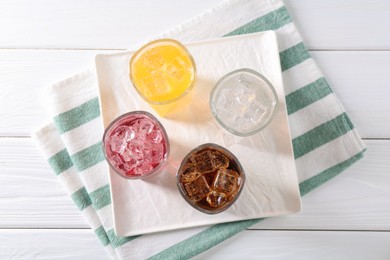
(135, 144)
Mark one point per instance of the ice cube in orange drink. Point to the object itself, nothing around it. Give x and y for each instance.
(162, 72)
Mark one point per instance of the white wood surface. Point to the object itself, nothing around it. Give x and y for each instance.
(79, 244)
(44, 41)
(331, 24)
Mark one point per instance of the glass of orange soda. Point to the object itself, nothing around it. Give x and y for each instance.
(163, 73)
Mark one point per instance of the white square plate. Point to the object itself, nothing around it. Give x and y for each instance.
(155, 204)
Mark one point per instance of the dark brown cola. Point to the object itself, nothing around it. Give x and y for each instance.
(210, 178)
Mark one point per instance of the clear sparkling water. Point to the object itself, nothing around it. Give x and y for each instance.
(243, 102)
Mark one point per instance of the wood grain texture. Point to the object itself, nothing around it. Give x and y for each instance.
(358, 199)
(303, 245)
(24, 77)
(83, 24)
(360, 80)
(23, 244)
(30, 194)
(342, 25)
(82, 244)
(91, 24)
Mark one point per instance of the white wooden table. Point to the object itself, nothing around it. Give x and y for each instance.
(44, 41)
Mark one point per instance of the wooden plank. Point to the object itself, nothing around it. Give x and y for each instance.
(83, 24)
(360, 79)
(30, 194)
(82, 244)
(91, 24)
(342, 25)
(357, 199)
(302, 245)
(24, 76)
(50, 244)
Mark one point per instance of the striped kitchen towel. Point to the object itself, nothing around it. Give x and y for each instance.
(325, 141)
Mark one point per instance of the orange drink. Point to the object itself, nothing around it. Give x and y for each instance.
(162, 72)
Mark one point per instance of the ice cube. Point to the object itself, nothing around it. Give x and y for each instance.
(148, 153)
(204, 155)
(225, 99)
(127, 156)
(143, 168)
(130, 165)
(226, 181)
(247, 82)
(197, 189)
(130, 134)
(216, 199)
(158, 153)
(244, 95)
(176, 69)
(161, 85)
(189, 172)
(117, 145)
(135, 149)
(253, 113)
(155, 136)
(205, 166)
(153, 60)
(145, 126)
(219, 160)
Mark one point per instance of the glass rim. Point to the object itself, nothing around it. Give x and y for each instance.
(261, 126)
(232, 157)
(149, 115)
(163, 40)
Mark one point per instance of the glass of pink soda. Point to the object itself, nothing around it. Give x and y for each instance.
(136, 145)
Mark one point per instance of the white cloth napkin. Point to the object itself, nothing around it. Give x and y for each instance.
(324, 140)
(271, 185)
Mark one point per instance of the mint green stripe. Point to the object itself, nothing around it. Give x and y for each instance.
(307, 95)
(118, 241)
(204, 240)
(88, 157)
(320, 135)
(77, 116)
(102, 235)
(315, 181)
(214, 235)
(101, 197)
(270, 21)
(81, 198)
(293, 56)
(60, 162)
